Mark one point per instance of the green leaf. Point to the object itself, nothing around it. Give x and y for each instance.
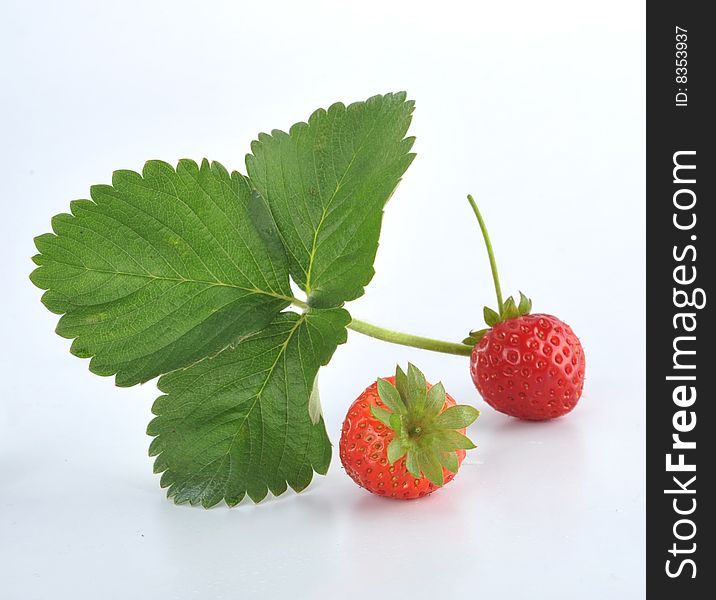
(491, 317)
(525, 305)
(390, 396)
(264, 224)
(435, 400)
(411, 463)
(238, 423)
(395, 450)
(479, 333)
(475, 337)
(449, 461)
(382, 415)
(509, 309)
(326, 183)
(395, 423)
(160, 270)
(417, 389)
(448, 440)
(457, 417)
(431, 467)
(401, 382)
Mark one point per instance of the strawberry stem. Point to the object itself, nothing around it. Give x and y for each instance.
(490, 252)
(408, 339)
(397, 337)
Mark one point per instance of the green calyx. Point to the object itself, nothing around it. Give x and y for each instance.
(425, 435)
(508, 309)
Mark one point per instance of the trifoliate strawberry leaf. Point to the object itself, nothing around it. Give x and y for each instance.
(238, 423)
(186, 271)
(326, 183)
(160, 270)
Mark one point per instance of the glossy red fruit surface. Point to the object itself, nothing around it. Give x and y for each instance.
(363, 452)
(530, 367)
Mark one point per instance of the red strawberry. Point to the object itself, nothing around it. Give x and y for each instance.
(530, 367)
(526, 366)
(404, 438)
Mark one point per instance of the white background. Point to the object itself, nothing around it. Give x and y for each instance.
(537, 108)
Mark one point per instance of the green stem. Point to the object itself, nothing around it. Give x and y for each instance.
(417, 341)
(300, 303)
(407, 339)
(397, 337)
(490, 252)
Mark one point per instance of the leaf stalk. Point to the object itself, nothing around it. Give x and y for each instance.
(398, 337)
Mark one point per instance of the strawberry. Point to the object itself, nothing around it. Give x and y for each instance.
(530, 367)
(404, 438)
(526, 366)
